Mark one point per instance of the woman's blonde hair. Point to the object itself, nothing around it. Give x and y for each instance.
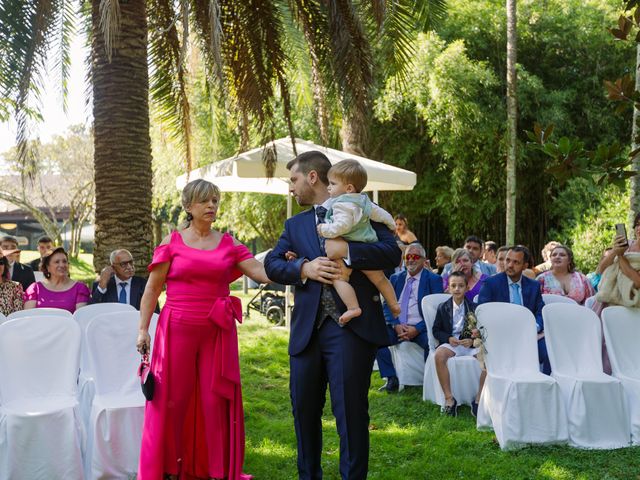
(460, 252)
(197, 191)
(446, 251)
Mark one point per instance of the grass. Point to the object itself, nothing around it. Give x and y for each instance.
(409, 437)
(81, 268)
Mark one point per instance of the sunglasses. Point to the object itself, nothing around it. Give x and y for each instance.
(412, 256)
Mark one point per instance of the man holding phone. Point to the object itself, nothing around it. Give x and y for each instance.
(117, 282)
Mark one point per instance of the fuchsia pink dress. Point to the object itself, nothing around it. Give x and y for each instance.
(67, 299)
(194, 426)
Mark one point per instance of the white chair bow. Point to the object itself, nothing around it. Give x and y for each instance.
(621, 332)
(522, 405)
(595, 402)
(464, 372)
(40, 427)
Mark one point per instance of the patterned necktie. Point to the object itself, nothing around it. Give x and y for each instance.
(515, 291)
(321, 213)
(122, 297)
(404, 300)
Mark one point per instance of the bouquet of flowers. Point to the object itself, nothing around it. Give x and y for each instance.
(471, 330)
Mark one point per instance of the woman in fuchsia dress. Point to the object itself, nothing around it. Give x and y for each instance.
(194, 425)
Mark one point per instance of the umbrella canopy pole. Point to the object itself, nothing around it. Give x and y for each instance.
(287, 293)
(375, 196)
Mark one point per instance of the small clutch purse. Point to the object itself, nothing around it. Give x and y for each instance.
(147, 382)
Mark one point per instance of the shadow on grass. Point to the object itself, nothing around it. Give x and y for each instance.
(410, 439)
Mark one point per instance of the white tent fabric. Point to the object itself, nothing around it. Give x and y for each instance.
(595, 402)
(408, 360)
(40, 312)
(549, 298)
(464, 372)
(84, 316)
(114, 431)
(41, 434)
(522, 405)
(245, 172)
(621, 332)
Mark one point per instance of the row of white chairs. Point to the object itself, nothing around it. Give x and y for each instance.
(578, 403)
(54, 420)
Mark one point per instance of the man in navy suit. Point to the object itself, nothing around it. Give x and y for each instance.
(512, 287)
(411, 285)
(18, 272)
(118, 283)
(320, 350)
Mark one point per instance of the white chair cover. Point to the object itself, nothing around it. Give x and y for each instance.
(621, 332)
(83, 316)
(114, 432)
(522, 405)
(549, 298)
(589, 302)
(408, 360)
(2, 318)
(41, 434)
(464, 372)
(595, 402)
(40, 312)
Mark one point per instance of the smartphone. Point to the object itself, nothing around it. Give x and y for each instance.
(621, 230)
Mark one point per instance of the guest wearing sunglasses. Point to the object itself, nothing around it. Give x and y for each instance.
(118, 283)
(411, 286)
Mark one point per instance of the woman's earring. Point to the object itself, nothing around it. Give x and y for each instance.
(189, 216)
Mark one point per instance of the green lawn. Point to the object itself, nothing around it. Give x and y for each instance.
(409, 437)
(81, 268)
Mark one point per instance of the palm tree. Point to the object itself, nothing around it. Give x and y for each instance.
(243, 45)
(512, 121)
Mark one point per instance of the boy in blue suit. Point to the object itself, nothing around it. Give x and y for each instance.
(322, 352)
(513, 287)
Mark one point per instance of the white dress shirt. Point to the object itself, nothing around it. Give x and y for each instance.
(458, 319)
(127, 288)
(519, 283)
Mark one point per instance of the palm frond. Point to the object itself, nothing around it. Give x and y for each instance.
(429, 13)
(168, 84)
(66, 31)
(109, 23)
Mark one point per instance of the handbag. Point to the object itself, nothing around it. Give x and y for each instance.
(147, 381)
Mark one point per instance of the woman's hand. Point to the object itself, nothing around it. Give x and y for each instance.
(143, 344)
(620, 245)
(467, 342)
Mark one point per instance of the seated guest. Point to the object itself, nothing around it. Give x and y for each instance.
(546, 263)
(117, 282)
(45, 244)
(563, 279)
(462, 261)
(501, 257)
(490, 254)
(451, 330)
(57, 290)
(443, 256)
(403, 234)
(19, 272)
(10, 292)
(410, 286)
(475, 246)
(595, 276)
(513, 287)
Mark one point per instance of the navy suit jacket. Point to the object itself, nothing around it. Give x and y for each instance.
(300, 236)
(496, 289)
(111, 295)
(443, 324)
(429, 283)
(23, 275)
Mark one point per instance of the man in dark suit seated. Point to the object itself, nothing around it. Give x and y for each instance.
(45, 244)
(410, 285)
(117, 282)
(513, 287)
(18, 272)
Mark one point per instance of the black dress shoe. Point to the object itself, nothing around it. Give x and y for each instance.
(392, 385)
(474, 408)
(451, 410)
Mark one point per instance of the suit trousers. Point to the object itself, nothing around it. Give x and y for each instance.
(342, 359)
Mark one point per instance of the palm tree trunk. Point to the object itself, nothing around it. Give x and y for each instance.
(121, 137)
(354, 133)
(512, 121)
(635, 144)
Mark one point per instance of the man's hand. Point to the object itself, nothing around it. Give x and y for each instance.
(410, 332)
(467, 342)
(345, 272)
(454, 342)
(290, 256)
(105, 275)
(320, 269)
